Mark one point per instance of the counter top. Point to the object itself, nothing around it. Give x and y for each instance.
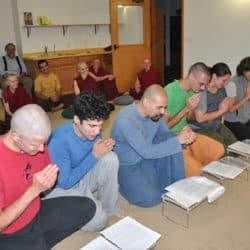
(64, 53)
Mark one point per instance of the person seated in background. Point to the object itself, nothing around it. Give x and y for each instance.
(47, 88)
(12, 64)
(105, 81)
(150, 155)
(84, 81)
(25, 173)
(14, 96)
(86, 162)
(214, 103)
(238, 117)
(146, 77)
(183, 97)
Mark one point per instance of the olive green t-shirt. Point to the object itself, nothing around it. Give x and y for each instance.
(177, 99)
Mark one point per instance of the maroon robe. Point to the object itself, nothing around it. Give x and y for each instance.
(106, 87)
(15, 100)
(146, 78)
(87, 84)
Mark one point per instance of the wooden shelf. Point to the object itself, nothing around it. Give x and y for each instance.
(64, 26)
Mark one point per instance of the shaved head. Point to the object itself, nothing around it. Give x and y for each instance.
(153, 102)
(154, 91)
(147, 64)
(81, 65)
(31, 120)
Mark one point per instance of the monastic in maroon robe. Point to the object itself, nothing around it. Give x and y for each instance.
(15, 100)
(106, 87)
(87, 84)
(146, 78)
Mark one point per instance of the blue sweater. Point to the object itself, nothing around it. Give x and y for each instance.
(72, 154)
(138, 138)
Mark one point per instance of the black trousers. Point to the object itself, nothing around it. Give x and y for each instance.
(57, 219)
(240, 130)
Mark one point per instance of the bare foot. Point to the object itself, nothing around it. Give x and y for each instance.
(121, 214)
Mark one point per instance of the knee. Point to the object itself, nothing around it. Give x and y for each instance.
(98, 222)
(219, 150)
(147, 197)
(110, 161)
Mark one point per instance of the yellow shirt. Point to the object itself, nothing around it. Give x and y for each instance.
(47, 85)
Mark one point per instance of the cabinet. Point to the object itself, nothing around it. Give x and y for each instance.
(66, 68)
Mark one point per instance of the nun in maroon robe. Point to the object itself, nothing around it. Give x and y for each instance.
(148, 76)
(14, 97)
(105, 82)
(84, 81)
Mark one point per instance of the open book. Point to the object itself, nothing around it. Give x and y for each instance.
(193, 190)
(222, 170)
(126, 234)
(240, 147)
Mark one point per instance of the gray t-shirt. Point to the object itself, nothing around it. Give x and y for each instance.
(209, 102)
(237, 89)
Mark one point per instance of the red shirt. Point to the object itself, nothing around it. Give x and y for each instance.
(16, 172)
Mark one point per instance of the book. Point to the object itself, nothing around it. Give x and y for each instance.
(236, 161)
(126, 234)
(100, 243)
(222, 170)
(240, 147)
(193, 190)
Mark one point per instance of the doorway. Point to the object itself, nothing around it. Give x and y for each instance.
(172, 38)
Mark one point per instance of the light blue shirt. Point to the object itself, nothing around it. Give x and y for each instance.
(12, 66)
(134, 136)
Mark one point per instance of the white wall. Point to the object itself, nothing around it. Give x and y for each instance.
(216, 30)
(7, 33)
(65, 12)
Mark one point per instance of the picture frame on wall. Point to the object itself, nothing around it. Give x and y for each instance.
(28, 20)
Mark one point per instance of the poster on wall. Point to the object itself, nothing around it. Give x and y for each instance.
(28, 20)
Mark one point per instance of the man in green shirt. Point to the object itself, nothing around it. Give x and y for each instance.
(183, 97)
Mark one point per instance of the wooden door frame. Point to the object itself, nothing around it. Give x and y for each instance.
(143, 50)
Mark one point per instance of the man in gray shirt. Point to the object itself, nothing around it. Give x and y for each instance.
(238, 119)
(12, 64)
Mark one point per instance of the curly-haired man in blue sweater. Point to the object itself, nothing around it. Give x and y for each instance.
(86, 162)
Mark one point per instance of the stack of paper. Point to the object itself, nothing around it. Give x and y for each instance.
(236, 161)
(193, 190)
(222, 170)
(126, 234)
(241, 148)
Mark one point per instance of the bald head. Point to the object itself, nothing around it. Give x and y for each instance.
(154, 91)
(153, 102)
(82, 65)
(31, 120)
(146, 64)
